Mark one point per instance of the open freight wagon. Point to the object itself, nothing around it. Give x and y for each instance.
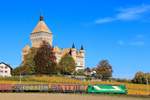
(103, 88)
(68, 88)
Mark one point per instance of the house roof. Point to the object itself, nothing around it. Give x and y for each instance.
(7, 65)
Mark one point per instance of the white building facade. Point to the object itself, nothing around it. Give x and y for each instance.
(5, 70)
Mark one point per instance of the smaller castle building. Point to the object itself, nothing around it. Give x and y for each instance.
(42, 33)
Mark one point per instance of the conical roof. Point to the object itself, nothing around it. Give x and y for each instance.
(41, 27)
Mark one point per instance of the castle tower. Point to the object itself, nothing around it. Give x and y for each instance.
(41, 33)
(81, 59)
(82, 51)
(73, 51)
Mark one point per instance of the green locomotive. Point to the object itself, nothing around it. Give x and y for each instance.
(103, 88)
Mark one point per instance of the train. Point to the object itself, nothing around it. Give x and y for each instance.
(65, 88)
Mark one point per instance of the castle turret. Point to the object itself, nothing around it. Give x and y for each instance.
(73, 46)
(82, 51)
(73, 51)
(41, 33)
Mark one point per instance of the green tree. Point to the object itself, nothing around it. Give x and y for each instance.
(104, 69)
(45, 60)
(139, 77)
(67, 65)
(28, 65)
(23, 70)
(16, 71)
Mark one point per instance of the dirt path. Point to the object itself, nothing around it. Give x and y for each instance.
(46, 96)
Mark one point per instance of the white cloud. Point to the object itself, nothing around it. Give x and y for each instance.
(139, 36)
(131, 43)
(126, 14)
(104, 20)
(137, 41)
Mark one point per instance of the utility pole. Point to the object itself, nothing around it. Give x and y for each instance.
(20, 78)
(147, 83)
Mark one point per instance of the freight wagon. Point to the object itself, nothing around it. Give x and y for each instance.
(6, 87)
(31, 88)
(68, 88)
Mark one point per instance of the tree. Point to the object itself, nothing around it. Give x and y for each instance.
(67, 65)
(16, 71)
(29, 63)
(45, 60)
(87, 71)
(141, 78)
(27, 67)
(23, 70)
(104, 69)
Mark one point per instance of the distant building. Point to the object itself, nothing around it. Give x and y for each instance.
(5, 70)
(42, 33)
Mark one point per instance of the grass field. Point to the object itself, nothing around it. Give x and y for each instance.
(133, 89)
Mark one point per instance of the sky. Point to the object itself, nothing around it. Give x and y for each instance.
(116, 30)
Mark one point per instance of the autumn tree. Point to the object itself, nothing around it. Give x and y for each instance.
(141, 78)
(104, 69)
(67, 65)
(45, 60)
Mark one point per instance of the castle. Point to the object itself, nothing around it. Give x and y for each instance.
(42, 33)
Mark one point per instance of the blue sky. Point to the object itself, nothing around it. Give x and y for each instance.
(117, 30)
